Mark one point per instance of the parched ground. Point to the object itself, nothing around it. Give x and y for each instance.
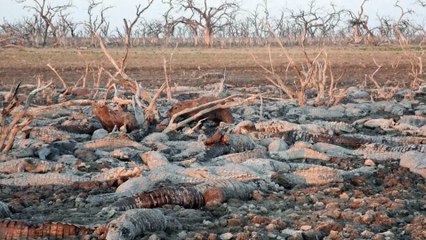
(187, 65)
(362, 196)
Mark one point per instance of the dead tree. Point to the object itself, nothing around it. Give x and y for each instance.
(47, 12)
(96, 23)
(169, 23)
(255, 20)
(128, 25)
(33, 28)
(401, 28)
(280, 25)
(205, 17)
(400, 24)
(67, 23)
(405, 28)
(385, 28)
(308, 21)
(66, 28)
(360, 24)
(330, 21)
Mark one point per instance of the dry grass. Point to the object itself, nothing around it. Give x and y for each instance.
(146, 64)
(186, 57)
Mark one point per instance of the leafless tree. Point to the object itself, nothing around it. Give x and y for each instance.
(330, 21)
(401, 24)
(404, 28)
(360, 24)
(33, 29)
(68, 23)
(67, 27)
(208, 18)
(280, 25)
(128, 25)
(255, 20)
(169, 23)
(421, 3)
(47, 12)
(308, 21)
(98, 22)
(385, 28)
(11, 33)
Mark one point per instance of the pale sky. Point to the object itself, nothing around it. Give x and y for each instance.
(12, 11)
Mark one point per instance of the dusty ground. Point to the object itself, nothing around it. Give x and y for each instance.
(188, 64)
(388, 204)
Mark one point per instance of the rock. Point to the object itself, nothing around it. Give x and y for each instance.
(154, 237)
(212, 236)
(300, 144)
(249, 111)
(415, 161)
(331, 113)
(22, 153)
(357, 203)
(99, 134)
(277, 145)
(382, 123)
(344, 196)
(354, 110)
(333, 234)
(272, 236)
(233, 222)
(226, 236)
(368, 217)
(182, 235)
(367, 234)
(85, 154)
(369, 162)
(270, 227)
(239, 143)
(355, 93)
(4, 210)
(156, 138)
(388, 234)
(416, 121)
(154, 159)
(305, 228)
(208, 223)
(242, 236)
(258, 219)
(312, 235)
(398, 110)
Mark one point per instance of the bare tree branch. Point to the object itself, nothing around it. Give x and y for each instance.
(47, 12)
(205, 17)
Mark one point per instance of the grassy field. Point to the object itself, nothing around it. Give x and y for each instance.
(146, 64)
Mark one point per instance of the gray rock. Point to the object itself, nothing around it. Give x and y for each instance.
(99, 134)
(415, 161)
(277, 145)
(226, 236)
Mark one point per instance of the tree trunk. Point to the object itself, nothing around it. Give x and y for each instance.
(45, 34)
(208, 36)
(357, 35)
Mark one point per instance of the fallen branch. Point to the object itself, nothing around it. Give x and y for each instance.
(151, 112)
(188, 110)
(216, 105)
(59, 76)
(15, 131)
(32, 94)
